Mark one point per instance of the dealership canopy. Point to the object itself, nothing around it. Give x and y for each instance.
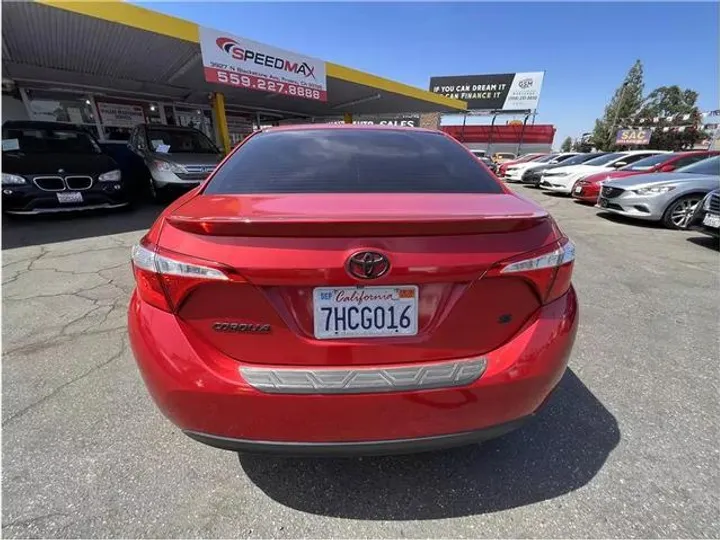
(126, 49)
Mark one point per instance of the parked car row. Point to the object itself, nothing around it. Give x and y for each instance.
(677, 189)
(51, 167)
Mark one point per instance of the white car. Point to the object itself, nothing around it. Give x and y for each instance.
(562, 179)
(514, 173)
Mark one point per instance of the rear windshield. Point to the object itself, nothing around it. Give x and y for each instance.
(351, 161)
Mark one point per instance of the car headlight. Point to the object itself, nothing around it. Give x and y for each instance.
(12, 179)
(167, 166)
(110, 176)
(653, 190)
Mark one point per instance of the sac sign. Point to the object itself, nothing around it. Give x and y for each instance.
(633, 136)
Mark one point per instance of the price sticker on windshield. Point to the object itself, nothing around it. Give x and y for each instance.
(8, 145)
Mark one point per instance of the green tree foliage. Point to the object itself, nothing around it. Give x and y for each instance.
(675, 103)
(566, 145)
(626, 101)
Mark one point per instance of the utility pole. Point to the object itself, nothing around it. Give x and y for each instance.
(617, 110)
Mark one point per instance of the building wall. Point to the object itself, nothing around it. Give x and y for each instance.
(13, 109)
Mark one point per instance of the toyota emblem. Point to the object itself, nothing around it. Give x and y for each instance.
(368, 265)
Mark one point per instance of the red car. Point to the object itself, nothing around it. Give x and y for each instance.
(351, 289)
(588, 189)
(502, 169)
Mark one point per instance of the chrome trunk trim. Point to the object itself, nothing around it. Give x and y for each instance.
(364, 380)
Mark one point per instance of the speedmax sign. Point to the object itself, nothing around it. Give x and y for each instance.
(250, 65)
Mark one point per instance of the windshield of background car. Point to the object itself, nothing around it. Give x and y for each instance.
(45, 141)
(544, 159)
(580, 158)
(710, 166)
(351, 161)
(181, 141)
(647, 163)
(604, 160)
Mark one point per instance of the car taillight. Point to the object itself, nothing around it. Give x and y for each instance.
(164, 280)
(549, 269)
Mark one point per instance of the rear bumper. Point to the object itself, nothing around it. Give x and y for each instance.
(365, 448)
(206, 396)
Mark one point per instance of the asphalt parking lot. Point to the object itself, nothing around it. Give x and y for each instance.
(626, 448)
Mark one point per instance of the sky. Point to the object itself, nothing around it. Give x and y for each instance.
(585, 48)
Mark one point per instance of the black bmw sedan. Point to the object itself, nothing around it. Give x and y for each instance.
(53, 167)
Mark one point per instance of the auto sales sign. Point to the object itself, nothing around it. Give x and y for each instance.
(242, 63)
(633, 137)
(500, 92)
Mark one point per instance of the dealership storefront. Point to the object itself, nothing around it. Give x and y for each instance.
(111, 65)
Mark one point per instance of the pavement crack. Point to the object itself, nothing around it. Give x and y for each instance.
(22, 412)
(31, 521)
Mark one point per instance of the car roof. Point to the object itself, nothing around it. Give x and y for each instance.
(644, 151)
(39, 124)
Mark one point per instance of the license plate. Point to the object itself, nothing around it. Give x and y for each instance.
(603, 203)
(70, 197)
(578, 189)
(712, 220)
(370, 312)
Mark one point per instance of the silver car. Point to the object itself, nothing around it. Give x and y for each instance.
(670, 198)
(178, 158)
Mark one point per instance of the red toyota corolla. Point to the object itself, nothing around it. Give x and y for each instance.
(588, 189)
(351, 289)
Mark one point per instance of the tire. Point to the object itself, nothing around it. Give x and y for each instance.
(680, 211)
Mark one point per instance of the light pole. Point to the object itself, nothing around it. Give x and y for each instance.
(617, 110)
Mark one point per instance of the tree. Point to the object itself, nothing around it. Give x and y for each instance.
(566, 145)
(625, 103)
(676, 108)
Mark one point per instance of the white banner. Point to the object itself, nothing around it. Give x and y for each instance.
(240, 62)
(120, 114)
(524, 91)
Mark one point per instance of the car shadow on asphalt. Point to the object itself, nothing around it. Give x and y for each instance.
(622, 220)
(559, 451)
(21, 231)
(705, 241)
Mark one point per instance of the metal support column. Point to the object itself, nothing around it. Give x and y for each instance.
(490, 138)
(522, 134)
(462, 132)
(347, 118)
(96, 117)
(218, 103)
